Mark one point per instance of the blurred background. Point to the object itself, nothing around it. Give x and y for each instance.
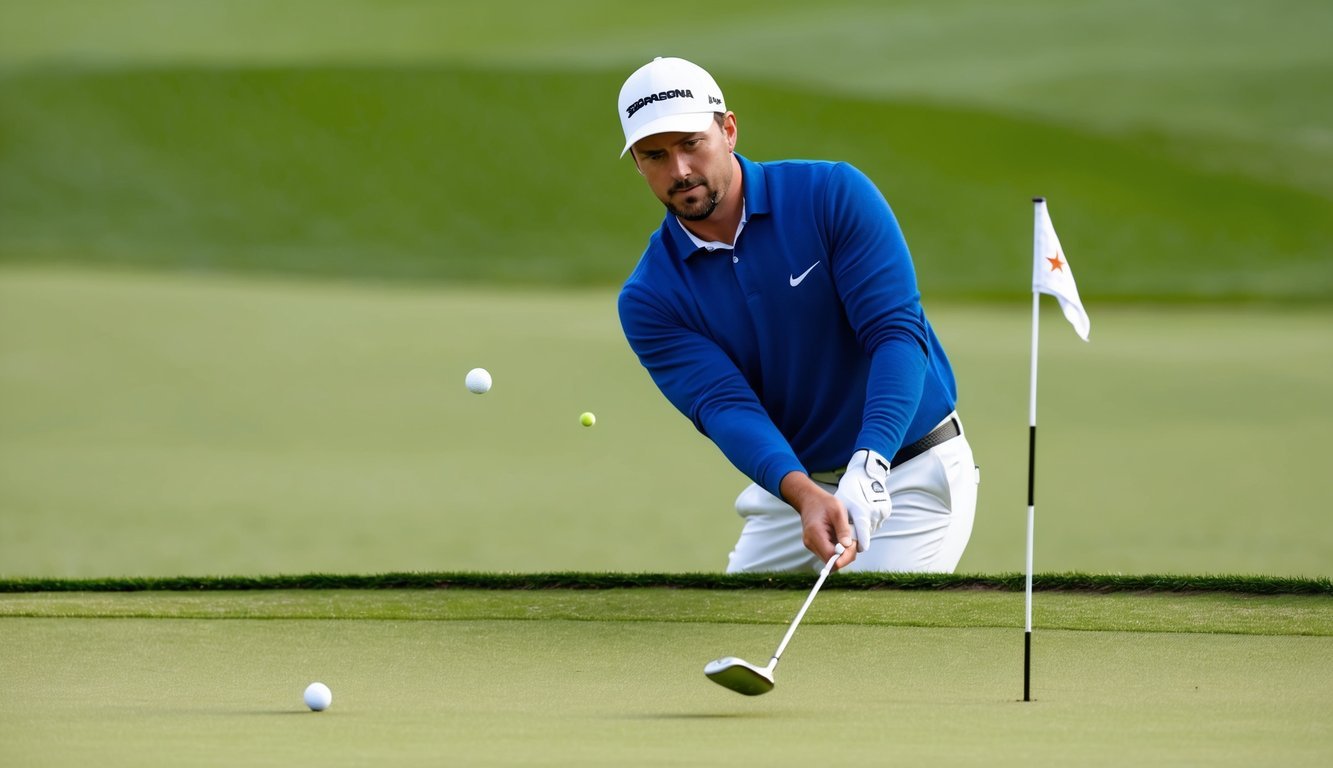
(248, 251)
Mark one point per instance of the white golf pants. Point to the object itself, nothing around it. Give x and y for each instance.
(934, 500)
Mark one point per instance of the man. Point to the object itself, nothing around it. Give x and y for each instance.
(777, 309)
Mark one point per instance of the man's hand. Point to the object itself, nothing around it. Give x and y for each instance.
(824, 519)
(864, 491)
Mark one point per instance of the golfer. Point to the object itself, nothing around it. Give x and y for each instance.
(777, 308)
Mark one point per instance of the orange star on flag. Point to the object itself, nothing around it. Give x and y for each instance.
(1051, 273)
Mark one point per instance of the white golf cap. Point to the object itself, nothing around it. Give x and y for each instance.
(667, 95)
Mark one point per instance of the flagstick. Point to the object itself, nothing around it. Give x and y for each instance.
(1050, 274)
(1032, 462)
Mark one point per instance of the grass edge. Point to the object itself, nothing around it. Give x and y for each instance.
(1010, 582)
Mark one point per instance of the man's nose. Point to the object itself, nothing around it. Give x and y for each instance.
(681, 166)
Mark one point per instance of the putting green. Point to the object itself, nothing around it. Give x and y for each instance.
(475, 691)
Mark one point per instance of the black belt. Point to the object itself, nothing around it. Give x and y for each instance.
(943, 433)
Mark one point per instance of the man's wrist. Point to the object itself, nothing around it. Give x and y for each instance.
(796, 486)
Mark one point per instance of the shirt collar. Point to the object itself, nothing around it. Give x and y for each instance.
(684, 244)
(715, 245)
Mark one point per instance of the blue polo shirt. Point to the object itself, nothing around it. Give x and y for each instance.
(804, 343)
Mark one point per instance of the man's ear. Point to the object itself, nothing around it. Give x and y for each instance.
(729, 130)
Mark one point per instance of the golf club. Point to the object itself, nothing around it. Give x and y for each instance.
(743, 677)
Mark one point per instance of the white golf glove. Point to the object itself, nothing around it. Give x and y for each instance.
(864, 491)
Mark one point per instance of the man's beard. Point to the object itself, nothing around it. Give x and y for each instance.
(702, 210)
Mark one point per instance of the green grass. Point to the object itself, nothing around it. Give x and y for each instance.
(255, 427)
(1212, 78)
(401, 143)
(596, 678)
(315, 423)
(1206, 609)
(161, 426)
(422, 173)
(1079, 582)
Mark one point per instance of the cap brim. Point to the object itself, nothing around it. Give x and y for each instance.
(690, 122)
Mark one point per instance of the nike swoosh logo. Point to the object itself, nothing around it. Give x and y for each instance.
(795, 281)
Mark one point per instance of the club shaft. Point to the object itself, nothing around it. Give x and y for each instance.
(823, 574)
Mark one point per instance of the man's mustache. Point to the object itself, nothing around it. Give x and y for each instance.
(686, 184)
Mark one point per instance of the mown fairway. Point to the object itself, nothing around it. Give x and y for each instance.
(166, 425)
(623, 684)
(1181, 146)
(434, 187)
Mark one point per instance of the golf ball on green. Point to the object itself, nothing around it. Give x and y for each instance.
(318, 697)
(478, 381)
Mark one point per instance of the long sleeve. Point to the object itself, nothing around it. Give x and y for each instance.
(698, 378)
(876, 281)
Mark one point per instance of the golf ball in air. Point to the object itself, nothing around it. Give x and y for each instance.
(318, 697)
(478, 381)
(587, 419)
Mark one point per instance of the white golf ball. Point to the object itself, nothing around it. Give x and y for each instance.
(478, 381)
(318, 696)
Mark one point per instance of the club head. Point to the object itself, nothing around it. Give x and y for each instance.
(739, 675)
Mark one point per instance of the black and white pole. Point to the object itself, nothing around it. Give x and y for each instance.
(1050, 274)
(1032, 460)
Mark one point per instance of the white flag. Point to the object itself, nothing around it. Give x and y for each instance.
(1051, 274)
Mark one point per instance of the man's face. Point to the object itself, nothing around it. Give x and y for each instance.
(689, 172)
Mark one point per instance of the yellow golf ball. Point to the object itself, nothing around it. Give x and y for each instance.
(587, 419)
